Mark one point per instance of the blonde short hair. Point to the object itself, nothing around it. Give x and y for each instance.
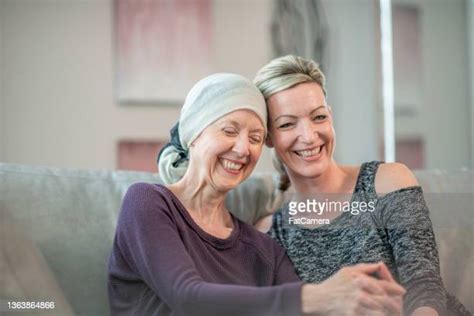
(284, 73)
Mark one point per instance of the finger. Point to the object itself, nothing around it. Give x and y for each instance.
(373, 285)
(375, 313)
(392, 288)
(369, 303)
(398, 300)
(395, 314)
(369, 312)
(370, 284)
(367, 268)
(391, 304)
(384, 273)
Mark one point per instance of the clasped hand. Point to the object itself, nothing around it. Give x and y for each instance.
(362, 289)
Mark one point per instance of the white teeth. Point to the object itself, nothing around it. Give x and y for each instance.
(309, 153)
(231, 165)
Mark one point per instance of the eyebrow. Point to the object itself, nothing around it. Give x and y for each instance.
(236, 124)
(294, 116)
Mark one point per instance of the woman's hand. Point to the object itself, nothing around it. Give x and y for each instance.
(363, 289)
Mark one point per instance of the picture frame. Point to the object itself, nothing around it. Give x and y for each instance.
(162, 47)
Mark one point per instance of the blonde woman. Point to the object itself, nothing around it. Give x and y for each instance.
(383, 216)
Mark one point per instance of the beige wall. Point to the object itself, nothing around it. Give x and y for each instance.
(58, 78)
(2, 114)
(470, 14)
(59, 100)
(446, 108)
(351, 78)
(57, 103)
(443, 117)
(58, 65)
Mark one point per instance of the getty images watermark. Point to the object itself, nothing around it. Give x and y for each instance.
(314, 209)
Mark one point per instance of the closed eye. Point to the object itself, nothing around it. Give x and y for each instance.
(321, 117)
(230, 132)
(286, 125)
(256, 140)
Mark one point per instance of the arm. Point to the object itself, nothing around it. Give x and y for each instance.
(150, 241)
(285, 271)
(406, 219)
(254, 199)
(351, 291)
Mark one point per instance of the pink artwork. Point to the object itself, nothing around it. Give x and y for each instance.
(163, 47)
(411, 152)
(138, 155)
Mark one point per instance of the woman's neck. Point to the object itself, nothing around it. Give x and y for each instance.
(205, 204)
(333, 180)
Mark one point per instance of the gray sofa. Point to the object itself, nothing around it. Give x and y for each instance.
(57, 228)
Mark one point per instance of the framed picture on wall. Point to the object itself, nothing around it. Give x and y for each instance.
(162, 47)
(138, 155)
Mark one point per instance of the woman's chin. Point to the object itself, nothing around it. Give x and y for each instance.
(227, 183)
(225, 187)
(312, 170)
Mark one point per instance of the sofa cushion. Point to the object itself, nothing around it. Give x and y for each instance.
(25, 274)
(450, 199)
(71, 216)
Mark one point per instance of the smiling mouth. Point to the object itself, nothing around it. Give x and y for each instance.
(309, 153)
(231, 166)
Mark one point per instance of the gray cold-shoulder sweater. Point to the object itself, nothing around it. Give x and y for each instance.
(398, 232)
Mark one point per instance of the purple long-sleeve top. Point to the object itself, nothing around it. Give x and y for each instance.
(163, 263)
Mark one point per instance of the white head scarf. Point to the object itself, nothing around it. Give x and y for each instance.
(207, 101)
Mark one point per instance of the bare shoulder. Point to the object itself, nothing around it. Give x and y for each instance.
(393, 176)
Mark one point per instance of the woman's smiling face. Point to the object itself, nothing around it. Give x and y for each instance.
(301, 130)
(227, 151)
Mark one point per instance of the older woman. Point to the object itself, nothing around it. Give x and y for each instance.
(378, 213)
(177, 249)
